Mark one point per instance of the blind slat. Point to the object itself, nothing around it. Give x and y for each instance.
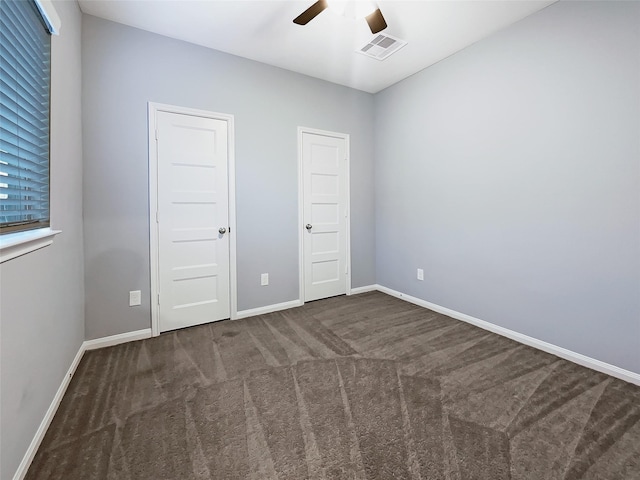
(24, 168)
(24, 141)
(30, 101)
(31, 180)
(20, 121)
(24, 188)
(19, 21)
(10, 114)
(28, 206)
(32, 67)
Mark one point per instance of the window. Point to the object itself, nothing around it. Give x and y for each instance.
(25, 80)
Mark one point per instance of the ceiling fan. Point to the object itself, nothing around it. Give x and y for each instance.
(375, 20)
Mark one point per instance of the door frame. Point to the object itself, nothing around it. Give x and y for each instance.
(345, 137)
(153, 109)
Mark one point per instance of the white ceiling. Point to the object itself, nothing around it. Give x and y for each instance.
(324, 48)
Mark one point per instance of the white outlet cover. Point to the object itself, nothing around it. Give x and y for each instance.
(135, 298)
(420, 274)
(264, 279)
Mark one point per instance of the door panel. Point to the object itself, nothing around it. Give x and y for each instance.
(193, 257)
(325, 194)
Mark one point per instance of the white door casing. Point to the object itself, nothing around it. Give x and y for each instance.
(324, 225)
(192, 225)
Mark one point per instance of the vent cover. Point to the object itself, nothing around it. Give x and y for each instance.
(381, 46)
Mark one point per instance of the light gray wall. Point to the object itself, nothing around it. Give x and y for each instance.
(123, 69)
(42, 293)
(510, 172)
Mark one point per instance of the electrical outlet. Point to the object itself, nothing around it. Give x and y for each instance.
(135, 298)
(264, 279)
(420, 274)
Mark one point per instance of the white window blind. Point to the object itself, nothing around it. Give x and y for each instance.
(25, 78)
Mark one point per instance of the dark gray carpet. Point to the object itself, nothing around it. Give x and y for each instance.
(361, 387)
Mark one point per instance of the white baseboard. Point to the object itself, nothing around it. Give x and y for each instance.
(48, 417)
(117, 339)
(365, 289)
(561, 352)
(55, 403)
(268, 309)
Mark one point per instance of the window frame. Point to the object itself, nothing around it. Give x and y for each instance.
(26, 238)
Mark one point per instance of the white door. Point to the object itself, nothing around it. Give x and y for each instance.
(193, 220)
(325, 214)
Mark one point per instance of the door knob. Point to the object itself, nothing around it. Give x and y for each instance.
(222, 230)
(308, 226)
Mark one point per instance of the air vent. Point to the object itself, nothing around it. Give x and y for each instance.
(381, 46)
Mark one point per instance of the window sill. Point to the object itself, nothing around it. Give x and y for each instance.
(13, 245)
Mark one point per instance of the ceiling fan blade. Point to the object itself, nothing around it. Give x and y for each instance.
(376, 21)
(311, 12)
